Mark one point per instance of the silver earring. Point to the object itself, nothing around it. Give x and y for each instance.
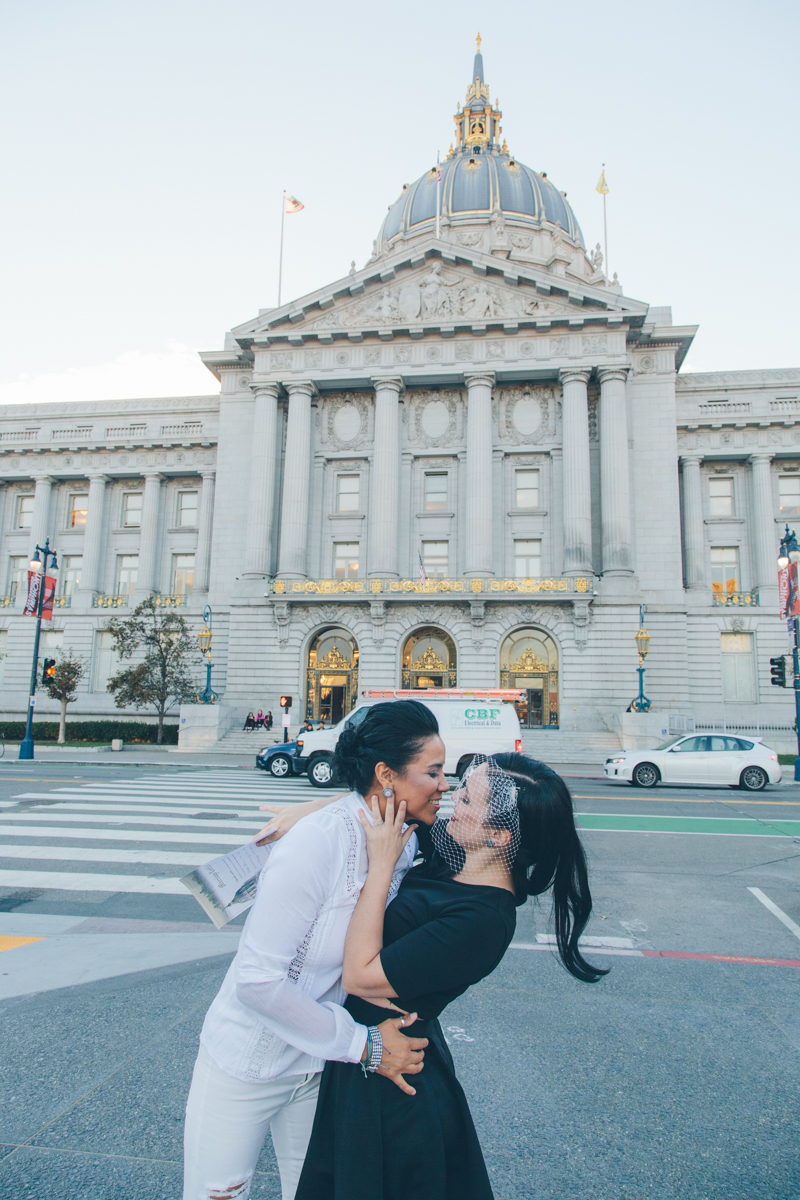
(387, 793)
(490, 843)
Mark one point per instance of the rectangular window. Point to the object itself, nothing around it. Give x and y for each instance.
(436, 559)
(187, 508)
(725, 569)
(105, 662)
(527, 560)
(435, 492)
(132, 510)
(182, 574)
(345, 560)
(23, 514)
(3, 653)
(17, 573)
(789, 491)
(527, 489)
(738, 668)
(347, 491)
(71, 574)
(127, 572)
(78, 508)
(720, 497)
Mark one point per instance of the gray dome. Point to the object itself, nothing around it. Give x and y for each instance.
(476, 183)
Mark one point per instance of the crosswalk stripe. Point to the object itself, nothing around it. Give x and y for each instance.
(69, 881)
(187, 822)
(178, 858)
(127, 835)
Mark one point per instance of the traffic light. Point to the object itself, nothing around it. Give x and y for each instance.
(48, 670)
(777, 671)
(286, 703)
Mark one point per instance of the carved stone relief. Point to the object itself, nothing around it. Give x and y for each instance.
(592, 407)
(464, 352)
(525, 413)
(645, 363)
(433, 417)
(281, 360)
(372, 356)
(343, 420)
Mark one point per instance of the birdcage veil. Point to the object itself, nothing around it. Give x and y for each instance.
(484, 821)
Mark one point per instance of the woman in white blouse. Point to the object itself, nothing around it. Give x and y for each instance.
(279, 1014)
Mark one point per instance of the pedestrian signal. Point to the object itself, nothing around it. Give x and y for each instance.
(777, 671)
(286, 702)
(48, 670)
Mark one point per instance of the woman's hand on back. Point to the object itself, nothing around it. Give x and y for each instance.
(386, 838)
(286, 817)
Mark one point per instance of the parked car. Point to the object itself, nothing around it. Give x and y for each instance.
(479, 722)
(280, 761)
(711, 758)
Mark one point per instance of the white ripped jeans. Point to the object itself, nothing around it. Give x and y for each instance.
(227, 1121)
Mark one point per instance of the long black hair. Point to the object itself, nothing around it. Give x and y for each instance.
(392, 732)
(550, 855)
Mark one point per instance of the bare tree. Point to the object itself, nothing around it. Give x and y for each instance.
(163, 677)
(62, 685)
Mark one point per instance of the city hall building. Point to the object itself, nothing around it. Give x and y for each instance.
(466, 464)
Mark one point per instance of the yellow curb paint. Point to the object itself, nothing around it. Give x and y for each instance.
(11, 943)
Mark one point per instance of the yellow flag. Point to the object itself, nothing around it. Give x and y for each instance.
(602, 186)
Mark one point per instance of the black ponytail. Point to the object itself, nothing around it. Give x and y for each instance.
(393, 732)
(551, 855)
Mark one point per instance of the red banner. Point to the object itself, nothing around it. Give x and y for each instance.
(794, 593)
(783, 592)
(32, 602)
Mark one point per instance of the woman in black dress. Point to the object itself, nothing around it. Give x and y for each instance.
(512, 834)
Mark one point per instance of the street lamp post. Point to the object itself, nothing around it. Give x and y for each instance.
(38, 565)
(790, 553)
(204, 639)
(642, 639)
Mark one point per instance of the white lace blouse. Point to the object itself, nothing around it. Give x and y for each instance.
(279, 1010)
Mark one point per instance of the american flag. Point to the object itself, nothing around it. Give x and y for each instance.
(422, 576)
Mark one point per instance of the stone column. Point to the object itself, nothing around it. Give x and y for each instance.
(694, 564)
(384, 491)
(263, 450)
(764, 539)
(91, 580)
(202, 558)
(40, 523)
(148, 537)
(477, 555)
(615, 502)
(577, 506)
(296, 479)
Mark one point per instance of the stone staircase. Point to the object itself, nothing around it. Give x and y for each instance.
(565, 746)
(239, 741)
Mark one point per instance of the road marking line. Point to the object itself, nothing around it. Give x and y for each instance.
(777, 912)
(736, 959)
(685, 800)
(69, 881)
(126, 835)
(186, 823)
(94, 855)
(10, 943)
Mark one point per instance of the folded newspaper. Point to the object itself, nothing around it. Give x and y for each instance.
(226, 886)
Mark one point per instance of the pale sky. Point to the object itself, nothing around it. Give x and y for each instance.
(145, 148)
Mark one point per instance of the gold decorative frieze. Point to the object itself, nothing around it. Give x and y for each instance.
(431, 587)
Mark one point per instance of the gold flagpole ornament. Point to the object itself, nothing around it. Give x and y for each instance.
(602, 188)
(289, 204)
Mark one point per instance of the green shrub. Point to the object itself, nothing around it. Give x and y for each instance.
(91, 731)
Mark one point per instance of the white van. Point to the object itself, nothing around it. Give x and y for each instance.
(479, 721)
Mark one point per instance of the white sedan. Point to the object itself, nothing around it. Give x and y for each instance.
(713, 758)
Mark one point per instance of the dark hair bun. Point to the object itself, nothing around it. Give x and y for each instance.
(392, 732)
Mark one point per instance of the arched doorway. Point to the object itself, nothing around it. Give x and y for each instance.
(529, 660)
(331, 676)
(429, 659)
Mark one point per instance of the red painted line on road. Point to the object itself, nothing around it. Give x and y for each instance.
(721, 958)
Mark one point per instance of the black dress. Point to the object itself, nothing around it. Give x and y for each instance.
(371, 1141)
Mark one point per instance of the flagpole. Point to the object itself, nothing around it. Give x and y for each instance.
(605, 228)
(438, 195)
(280, 260)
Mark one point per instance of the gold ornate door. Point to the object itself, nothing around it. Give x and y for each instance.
(429, 660)
(331, 676)
(529, 661)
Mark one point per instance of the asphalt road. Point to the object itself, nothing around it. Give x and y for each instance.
(674, 1078)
